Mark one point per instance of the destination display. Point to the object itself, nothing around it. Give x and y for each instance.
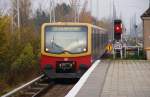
(66, 29)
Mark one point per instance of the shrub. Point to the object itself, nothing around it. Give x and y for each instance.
(24, 61)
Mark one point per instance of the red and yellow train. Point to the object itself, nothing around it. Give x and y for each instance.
(69, 49)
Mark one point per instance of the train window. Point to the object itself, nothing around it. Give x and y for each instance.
(61, 39)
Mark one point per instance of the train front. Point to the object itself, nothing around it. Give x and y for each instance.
(65, 50)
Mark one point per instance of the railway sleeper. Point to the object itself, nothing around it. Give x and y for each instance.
(29, 93)
(37, 88)
(42, 84)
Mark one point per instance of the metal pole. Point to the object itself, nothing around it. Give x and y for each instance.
(149, 3)
(125, 51)
(54, 11)
(75, 14)
(18, 13)
(78, 10)
(96, 15)
(97, 9)
(135, 26)
(138, 51)
(91, 7)
(50, 11)
(75, 11)
(114, 17)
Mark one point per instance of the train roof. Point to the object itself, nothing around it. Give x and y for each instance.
(74, 23)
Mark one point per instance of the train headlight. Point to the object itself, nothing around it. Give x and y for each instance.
(84, 49)
(47, 49)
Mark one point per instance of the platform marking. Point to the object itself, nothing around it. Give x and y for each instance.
(73, 92)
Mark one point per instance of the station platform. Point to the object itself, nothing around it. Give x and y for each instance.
(115, 78)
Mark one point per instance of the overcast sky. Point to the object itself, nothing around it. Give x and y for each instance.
(126, 9)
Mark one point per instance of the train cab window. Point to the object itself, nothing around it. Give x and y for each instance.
(61, 39)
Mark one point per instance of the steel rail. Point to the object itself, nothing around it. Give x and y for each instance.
(22, 87)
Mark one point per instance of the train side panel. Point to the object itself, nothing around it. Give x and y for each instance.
(99, 42)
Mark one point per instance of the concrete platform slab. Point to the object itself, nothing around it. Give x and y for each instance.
(127, 78)
(118, 78)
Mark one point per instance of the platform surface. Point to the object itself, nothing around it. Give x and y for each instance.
(118, 78)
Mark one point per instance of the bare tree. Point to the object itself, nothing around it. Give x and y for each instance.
(21, 8)
(2, 11)
(75, 4)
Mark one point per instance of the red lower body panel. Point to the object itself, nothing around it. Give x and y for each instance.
(45, 60)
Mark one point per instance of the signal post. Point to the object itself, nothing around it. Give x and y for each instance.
(117, 44)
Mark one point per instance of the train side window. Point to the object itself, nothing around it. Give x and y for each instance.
(98, 39)
(93, 41)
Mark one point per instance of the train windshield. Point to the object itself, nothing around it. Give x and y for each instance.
(61, 39)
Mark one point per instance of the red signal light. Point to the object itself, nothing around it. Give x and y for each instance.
(118, 28)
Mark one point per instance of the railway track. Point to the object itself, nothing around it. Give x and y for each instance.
(42, 87)
(33, 88)
(59, 90)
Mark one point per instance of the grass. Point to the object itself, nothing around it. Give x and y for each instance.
(133, 56)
